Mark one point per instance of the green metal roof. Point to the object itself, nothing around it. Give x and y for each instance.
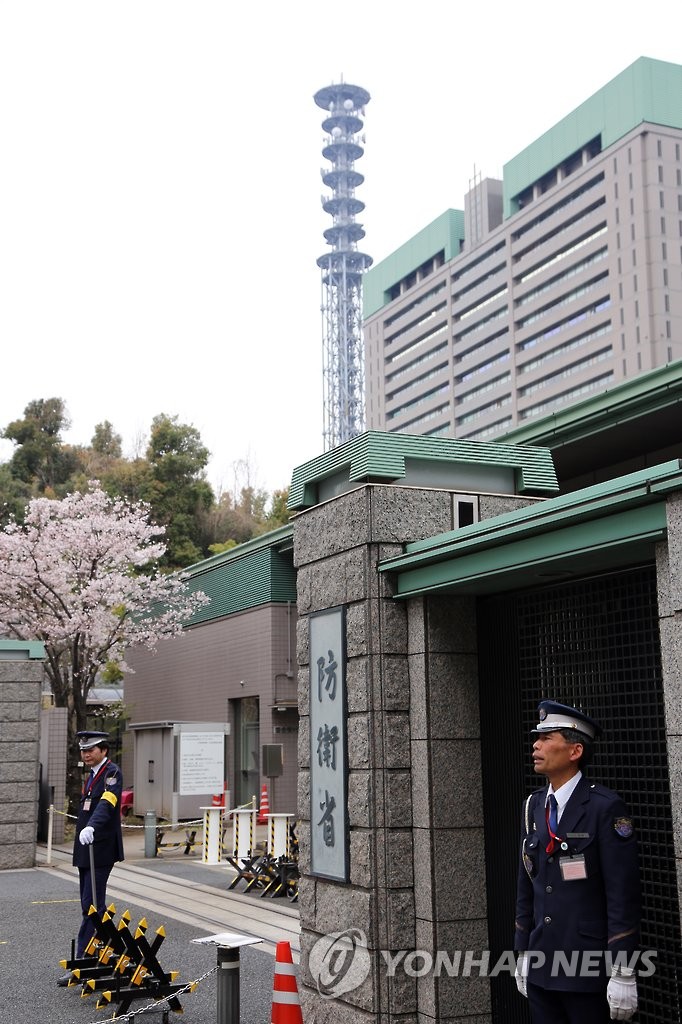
(570, 533)
(260, 571)
(428, 461)
(630, 400)
(445, 233)
(647, 90)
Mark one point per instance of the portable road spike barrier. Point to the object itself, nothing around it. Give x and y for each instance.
(123, 965)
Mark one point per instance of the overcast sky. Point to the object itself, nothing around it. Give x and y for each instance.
(160, 214)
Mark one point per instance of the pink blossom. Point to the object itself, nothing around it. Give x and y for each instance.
(70, 575)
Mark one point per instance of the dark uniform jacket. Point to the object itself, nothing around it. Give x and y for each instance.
(600, 912)
(104, 814)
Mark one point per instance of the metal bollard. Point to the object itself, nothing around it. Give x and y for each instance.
(150, 834)
(228, 985)
(50, 831)
(229, 944)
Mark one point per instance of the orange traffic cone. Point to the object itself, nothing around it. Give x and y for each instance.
(286, 1005)
(264, 806)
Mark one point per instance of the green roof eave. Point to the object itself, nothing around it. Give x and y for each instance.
(280, 538)
(22, 650)
(376, 456)
(633, 398)
(627, 510)
(473, 572)
(250, 575)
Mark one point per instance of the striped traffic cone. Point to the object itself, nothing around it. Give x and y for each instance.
(264, 806)
(286, 1005)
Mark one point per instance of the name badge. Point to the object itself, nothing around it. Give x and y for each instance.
(86, 804)
(573, 869)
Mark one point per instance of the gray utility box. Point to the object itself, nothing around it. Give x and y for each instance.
(179, 767)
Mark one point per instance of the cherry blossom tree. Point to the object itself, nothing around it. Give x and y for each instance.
(81, 575)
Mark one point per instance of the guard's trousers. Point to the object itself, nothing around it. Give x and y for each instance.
(87, 928)
(548, 1006)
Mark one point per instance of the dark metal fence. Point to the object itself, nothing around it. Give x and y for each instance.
(592, 643)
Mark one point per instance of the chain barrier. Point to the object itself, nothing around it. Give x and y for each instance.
(170, 824)
(189, 987)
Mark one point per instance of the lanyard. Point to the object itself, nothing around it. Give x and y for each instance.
(93, 778)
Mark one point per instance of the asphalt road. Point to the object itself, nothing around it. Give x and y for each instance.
(39, 913)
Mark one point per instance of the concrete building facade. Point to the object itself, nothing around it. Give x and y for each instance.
(235, 663)
(561, 281)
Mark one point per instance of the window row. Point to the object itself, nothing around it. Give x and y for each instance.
(556, 207)
(568, 346)
(390, 339)
(563, 300)
(566, 371)
(420, 400)
(436, 371)
(564, 325)
(557, 257)
(567, 396)
(414, 363)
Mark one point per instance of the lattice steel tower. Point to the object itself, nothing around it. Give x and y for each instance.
(343, 364)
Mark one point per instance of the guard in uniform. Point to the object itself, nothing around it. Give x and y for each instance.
(99, 824)
(578, 896)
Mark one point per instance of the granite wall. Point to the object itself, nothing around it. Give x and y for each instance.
(20, 688)
(669, 577)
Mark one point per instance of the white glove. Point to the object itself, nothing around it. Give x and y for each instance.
(87, 835)
(521, 974)
(621, 993)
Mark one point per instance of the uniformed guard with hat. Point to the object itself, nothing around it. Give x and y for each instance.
(98, 824)
(578, 896)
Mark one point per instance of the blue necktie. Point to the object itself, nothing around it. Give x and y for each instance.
(553, 820)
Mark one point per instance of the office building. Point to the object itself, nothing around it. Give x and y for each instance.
(559, 282)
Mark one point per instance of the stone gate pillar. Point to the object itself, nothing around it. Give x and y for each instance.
(337, 547)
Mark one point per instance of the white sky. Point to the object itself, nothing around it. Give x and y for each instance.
(160, 186)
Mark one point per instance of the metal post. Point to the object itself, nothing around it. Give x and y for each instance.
(50, 827)
(228, 985)
(93, 886)
(150, 834)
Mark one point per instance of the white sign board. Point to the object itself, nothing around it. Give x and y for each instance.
(201, 767)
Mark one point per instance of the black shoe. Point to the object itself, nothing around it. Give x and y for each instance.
(64, 981)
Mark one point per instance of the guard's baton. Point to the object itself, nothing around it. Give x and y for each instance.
(92, 875)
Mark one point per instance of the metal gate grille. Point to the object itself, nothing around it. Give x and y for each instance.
(591, 643)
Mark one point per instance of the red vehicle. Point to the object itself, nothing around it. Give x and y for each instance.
(126, 802)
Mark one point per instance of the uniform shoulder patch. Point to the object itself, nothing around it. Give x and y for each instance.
(624, 827)
(111, 780)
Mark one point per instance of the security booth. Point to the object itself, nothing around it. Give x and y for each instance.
(179, 767)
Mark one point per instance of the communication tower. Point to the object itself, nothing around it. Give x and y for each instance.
(343, 363)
